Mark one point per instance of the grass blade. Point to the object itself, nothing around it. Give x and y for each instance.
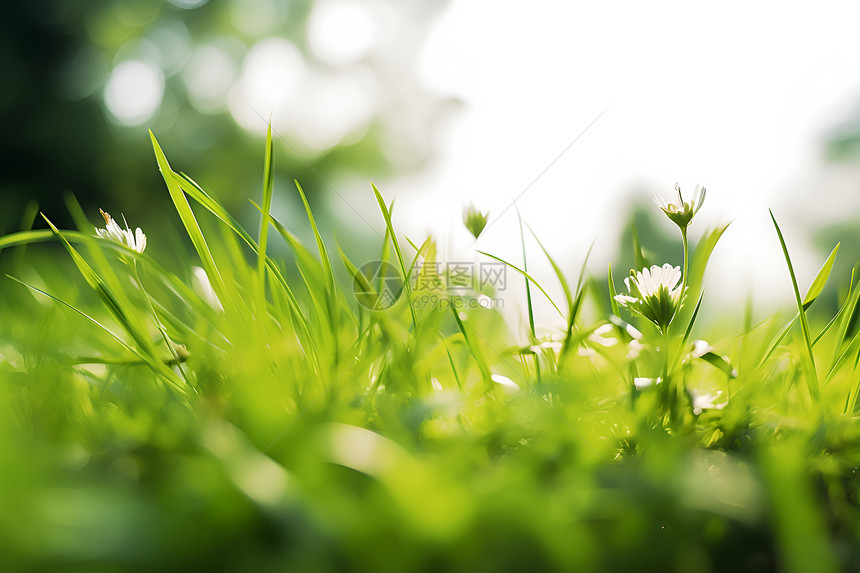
(529, 277)
(612, 292)
(190, 223)
(820, 279)
(386, 215)
(804, 325)
(268, 189)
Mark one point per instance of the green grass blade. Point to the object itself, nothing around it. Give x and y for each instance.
(529, 305)
(699, 263)
(480, 360)
(851, 317)
(692, 320)
(386, 215)
(268, 189)
(323, 252)
(28, 218)
(156, 365)
(820, 279)
(638, 255)
(529, 277)
(612, 292)
(804, 325)
(777, 341)
(829, 324)
(191, 225)
(102, 327)
(116, 304)
(532, 332)
(419, 251)
(568, 296)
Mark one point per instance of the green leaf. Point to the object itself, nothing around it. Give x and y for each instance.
(701, 256)
(721, 362)
(820, 279)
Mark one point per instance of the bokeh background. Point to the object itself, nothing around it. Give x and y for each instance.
(574, 114)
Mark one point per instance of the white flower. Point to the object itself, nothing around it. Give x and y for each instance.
(135, 241)
(597, 336)
(681, 213)
(700, 348)
(641, 383)
(202, 286)
(706, 401)
(635, 349)
(506, 383)
(553, 345)
(654, 293)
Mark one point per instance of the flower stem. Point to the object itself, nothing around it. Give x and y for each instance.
(686, 259)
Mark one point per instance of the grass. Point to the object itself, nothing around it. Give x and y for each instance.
(239, 413)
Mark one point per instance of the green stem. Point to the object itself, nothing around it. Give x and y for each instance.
(686, 259)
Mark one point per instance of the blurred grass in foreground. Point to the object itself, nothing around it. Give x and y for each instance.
(236, 414)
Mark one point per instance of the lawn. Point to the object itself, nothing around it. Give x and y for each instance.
(222, 408)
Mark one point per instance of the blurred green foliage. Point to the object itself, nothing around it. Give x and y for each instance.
(61, 137)
(299, 430)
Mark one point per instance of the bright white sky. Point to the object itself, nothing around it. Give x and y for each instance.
(736, 96)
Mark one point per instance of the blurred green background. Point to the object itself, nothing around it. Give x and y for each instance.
(83, 81)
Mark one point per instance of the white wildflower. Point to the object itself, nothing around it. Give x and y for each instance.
(136, 241)
(641, 383)
(700, 348)
(681, 213)
(597, 336)
(706, 401)
(635, 349)
(202, 286)
(655, 294)
(509, 385)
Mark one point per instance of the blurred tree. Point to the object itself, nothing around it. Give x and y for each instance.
(85, 80)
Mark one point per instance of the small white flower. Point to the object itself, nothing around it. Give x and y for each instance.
(681, 213)
(641, 383)
(635, 349)
(506, 383)
(603, 329)
(706, 401)
(552, 345)
(654, 294)
(135, 241)
(700, 348)
(202, 286)
(597, 336)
